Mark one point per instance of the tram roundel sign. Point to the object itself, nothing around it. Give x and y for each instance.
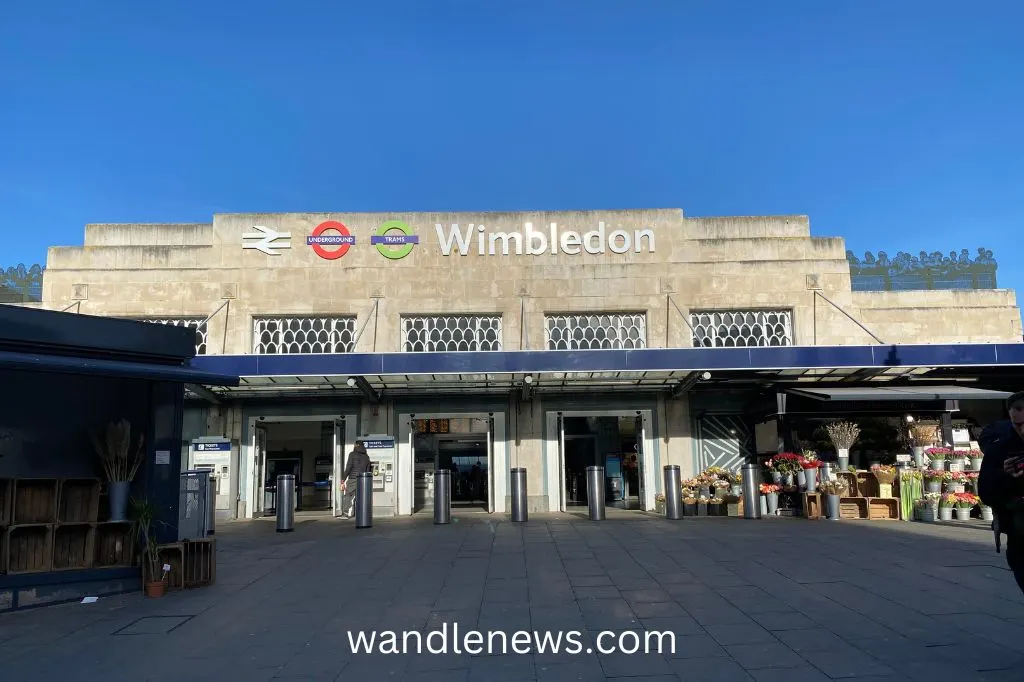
(324, 244)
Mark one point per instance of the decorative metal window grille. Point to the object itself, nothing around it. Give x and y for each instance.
(734, 328)
(611, 331)
(199, 325)
(292, 335)
(451, 333)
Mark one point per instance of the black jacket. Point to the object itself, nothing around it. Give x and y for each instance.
(358, 462)
(996, 488)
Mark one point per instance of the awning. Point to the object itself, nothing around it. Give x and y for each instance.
(39, 362)
(899, 393)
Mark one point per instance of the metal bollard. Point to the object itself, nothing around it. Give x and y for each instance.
(751, 491)
(285, 503)
(442, 496)
(519, 513)
(673, 493)
(595, 493)
(364, 500)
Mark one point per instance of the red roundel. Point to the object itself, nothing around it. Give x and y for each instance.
(330, 247)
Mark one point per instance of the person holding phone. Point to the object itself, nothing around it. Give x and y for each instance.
(1001, 481)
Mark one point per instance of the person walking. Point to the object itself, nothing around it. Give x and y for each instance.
(358, 463)
(1001, 482)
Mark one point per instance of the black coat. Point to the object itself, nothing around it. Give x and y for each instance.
(996, 488)
(358, 462)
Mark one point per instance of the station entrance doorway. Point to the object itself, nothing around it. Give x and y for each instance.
(470, 446)
(621, 442)
(312, 448)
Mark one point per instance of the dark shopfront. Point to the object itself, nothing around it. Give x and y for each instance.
(63, 377)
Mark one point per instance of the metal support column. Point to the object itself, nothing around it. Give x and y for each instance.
(442, 496)
(751, 491)
(595, 492)
(364, 500)
(285, 503)
(673, 493)
(519, 512)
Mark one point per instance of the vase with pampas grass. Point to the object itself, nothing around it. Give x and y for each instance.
(120, 463)
(843, 435)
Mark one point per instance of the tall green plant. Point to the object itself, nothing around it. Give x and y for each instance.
(143, 515)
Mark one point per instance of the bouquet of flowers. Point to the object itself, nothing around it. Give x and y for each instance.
(933, 475)
(948, 500)
(940, 454)
(923, 436)
(809, 460)
(966, 500)
(716, 472)
(843, 434)
(884, 473)
(787, 462)
(770, 488)
(835, 486)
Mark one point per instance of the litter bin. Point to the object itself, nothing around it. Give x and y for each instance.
(595, 492)
(442, 496)
(751, 491)
(285, 503)
(673, 493)
(364, 500)
(519, 513)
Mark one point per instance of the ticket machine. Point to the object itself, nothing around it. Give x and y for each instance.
(381, 451)
(214, 455)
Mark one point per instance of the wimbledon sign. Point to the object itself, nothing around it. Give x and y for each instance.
(539, 242)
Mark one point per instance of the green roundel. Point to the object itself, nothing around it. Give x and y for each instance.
(385, 238)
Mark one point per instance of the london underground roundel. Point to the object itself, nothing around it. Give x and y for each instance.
(331, 246)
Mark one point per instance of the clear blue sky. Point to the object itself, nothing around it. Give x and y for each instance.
(897, 125)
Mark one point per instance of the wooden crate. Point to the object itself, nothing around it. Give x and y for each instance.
(851, 482)
(199, 562)
(853, 508)
(79, 501)
(29, 549)
(867, 484)
(35, 501)
(883, 509)
(6, 485)
(74, 546)
(812, 505)
(115, 546)
(173, 554)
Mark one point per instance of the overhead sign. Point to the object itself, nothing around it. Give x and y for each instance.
(212, 446)
(321, 242)
(266, 240)
(532, 242)
(391, 234)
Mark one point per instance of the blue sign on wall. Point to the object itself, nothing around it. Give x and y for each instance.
(379, 444)
(219, 446)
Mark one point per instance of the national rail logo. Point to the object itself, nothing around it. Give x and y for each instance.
(343, 240)
(391, 234)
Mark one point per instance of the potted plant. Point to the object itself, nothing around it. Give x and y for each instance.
(946, 504)
(154, 574)
(922, 436)
(787, 463)
(957, 458)
(955, 481)
(976, 457)
(120, 463)
(971, 480)
(843, 435)
(736, 483)
(933, 480)
(771, 494)
(833, 490)
(659, 503)
(689, 505)
(964, 504)
(885, 474)
(937, 457)
(809, 463)
(929, 507)
(771, 466)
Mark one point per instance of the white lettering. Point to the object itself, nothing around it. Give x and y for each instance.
(478, 640)
(589, 238)
(521, 638)
(443, 634)
(453, 236)
(600, 638)
(641, 234)
(571, 242)
(481, 240)
(504, 238)
(390, 640)
(531, 239)
(615, 248)
(554, 239)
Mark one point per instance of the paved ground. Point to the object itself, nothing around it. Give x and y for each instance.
(779, 599)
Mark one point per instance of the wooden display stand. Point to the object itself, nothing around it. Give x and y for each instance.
(853, 507)
(883, 509)
(812, 505)
(50, 524)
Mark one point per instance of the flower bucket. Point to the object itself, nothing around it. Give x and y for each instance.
(772, 502)
(963, 513)
(928, 514)
(843, 456)
(832, 505)
(986, 514)
(938, 465)
(764, 505)
(776, 477)
(736, 489)
(933, 486)
(787, 480)
(801, 478)
(976, 463)
(811, 479)
(919, 457)
(945, 513)
(705, 491)
(689, 509)
(954, 486)
(956, 464)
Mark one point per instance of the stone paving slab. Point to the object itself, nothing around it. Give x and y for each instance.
(778, 599)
